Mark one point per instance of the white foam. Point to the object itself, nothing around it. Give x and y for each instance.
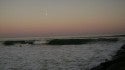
(65, 57)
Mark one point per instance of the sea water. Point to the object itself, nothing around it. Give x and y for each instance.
(56, 57)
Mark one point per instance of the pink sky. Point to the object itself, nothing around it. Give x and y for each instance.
(23, 18)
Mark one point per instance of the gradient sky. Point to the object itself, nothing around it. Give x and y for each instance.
(27, 18)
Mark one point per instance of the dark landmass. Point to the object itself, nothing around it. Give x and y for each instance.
(117, 63)
(79, 41)
(7, 43)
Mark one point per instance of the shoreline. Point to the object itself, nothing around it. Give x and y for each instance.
(117, 62)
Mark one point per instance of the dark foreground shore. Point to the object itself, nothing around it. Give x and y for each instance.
(117, 63)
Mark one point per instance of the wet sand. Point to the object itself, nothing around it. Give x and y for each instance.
(117, 63)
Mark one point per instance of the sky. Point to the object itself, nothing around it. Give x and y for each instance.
(29, 18)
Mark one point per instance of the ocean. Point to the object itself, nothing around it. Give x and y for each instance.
(42, 56)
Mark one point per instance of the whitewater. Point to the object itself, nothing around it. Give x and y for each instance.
(56, 57)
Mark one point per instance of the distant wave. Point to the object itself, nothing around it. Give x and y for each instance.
(59, 41)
